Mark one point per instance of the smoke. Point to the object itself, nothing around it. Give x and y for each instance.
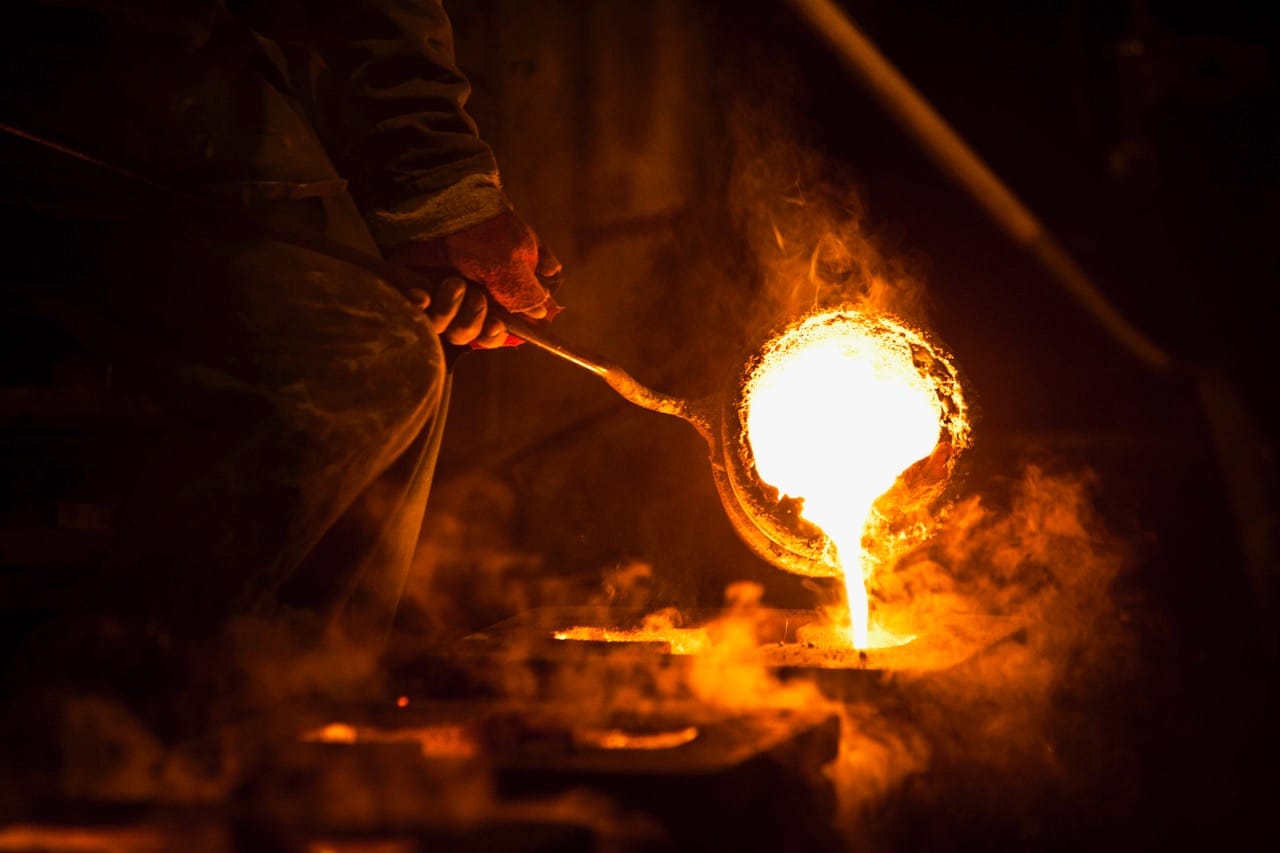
(990, 739)
(802, 217)
(469, 572)
(1017, 725)
(876, 755)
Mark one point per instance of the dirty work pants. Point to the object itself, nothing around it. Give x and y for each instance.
(303, 399)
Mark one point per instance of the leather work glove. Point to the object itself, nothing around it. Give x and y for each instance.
(498, 260)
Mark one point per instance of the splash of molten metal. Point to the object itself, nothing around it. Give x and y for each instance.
(835, 409)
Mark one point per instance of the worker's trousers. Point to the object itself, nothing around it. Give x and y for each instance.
(302, 398)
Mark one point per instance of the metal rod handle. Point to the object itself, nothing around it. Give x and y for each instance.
(536, 337)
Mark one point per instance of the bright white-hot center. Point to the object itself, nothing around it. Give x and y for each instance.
(834, 411)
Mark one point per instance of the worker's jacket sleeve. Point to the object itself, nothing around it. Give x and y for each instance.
(393, 107)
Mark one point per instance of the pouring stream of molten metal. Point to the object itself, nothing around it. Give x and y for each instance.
(834, 412)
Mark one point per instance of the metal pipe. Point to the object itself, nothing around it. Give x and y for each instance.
(542, 341)
(953, 155)
(618, 379)
(1242, 457)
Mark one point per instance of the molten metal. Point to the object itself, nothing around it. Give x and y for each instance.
(681, 641)
(624, 739)
(835, 408)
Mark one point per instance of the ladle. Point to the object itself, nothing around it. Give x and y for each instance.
(767, 522)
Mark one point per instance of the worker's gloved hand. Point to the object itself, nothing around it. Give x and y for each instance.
(499, 260)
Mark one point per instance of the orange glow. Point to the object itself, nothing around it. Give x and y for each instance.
(436, 741)
(624, 739)
(402, 702)
(683, 641)
(332, 733)
(836, 408)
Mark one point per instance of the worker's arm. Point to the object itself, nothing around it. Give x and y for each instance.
(393, 106)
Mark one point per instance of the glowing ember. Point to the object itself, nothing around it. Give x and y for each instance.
(332, 733)
(683, 641)
(624, 739)
(435, 741)
(836, 408)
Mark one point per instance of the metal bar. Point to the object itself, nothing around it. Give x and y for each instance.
(954, 156)
(544, 342)
(618, 379)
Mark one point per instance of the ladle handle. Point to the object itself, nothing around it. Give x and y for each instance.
(618, 379)
(523, 330)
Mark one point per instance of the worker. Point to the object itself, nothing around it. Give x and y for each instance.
(303, 397)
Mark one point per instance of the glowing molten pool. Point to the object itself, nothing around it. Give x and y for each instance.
(835, 409)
